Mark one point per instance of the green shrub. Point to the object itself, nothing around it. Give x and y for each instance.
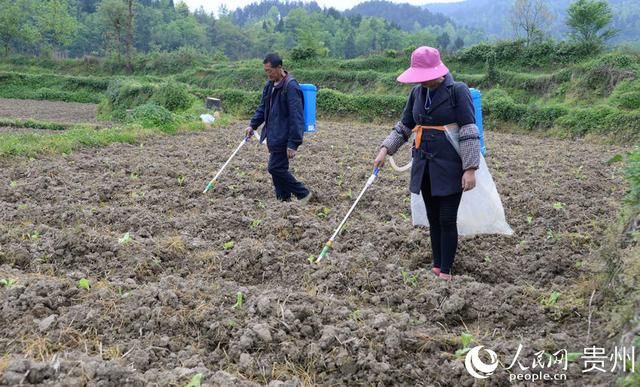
(542, 117)
(516, 52)
(363, 107)
(303, 54)
(124, 94)
(173, 62)
(390, 53)
(151, 115)
(586, 120)
(52, 87)
(632, 173)
(626, 95)
(498, 104)
(172, 96)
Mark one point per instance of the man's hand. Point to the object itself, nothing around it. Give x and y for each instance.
(469, 180)
(291, 153)
(248, 132)
(378, 162)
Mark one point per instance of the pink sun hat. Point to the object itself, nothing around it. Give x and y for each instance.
(425, 66)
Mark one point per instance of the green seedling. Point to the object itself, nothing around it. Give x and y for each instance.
(324, 212)
(228, 245)
(13, 184)
(356, 315)
(529, 219)
(343, 229)
(22, 206)
(558, 205)
(84, 284)
(465, 338)
(349, 194)
(254, 223)
(615, 159)
(404, 216)
(239, 300)
(487, 259)
(579, 173)
(7, 282)
(311, 258)
(31, 236)
(125, 239)
(573, 356)
(196, 381)
(181, 180)
(550, 235)
(134, 176)
(552, 299)
(408, 279)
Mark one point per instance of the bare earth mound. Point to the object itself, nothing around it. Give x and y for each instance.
(52, 111)
(161, 305)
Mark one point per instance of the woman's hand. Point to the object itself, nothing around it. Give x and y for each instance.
(468, 180)
(378, 162)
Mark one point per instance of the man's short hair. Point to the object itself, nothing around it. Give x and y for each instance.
(274, 59)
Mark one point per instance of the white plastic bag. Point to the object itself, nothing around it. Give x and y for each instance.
(207, 118)
(480, 210)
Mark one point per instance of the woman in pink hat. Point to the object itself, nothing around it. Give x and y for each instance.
(436, 107)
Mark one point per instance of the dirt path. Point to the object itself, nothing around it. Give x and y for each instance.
(161, 305)
(52, 111)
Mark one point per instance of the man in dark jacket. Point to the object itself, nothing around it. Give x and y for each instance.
(281, 110)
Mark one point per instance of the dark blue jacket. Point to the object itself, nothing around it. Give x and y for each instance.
(436, 153)
(282, 114)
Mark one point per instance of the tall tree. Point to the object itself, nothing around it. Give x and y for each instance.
(458, 43)
(443, 41)
(531, 17)
(129, 43)
(113, 15)
(57, 27)
(588, 21)
(350, 47)
(16, 25)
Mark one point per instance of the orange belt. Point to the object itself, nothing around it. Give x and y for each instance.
(418, 131)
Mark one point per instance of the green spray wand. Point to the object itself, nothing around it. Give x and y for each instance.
(329, 243)
(215, 178)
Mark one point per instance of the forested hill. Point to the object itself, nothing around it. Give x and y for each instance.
(407, 16)
(493, 17)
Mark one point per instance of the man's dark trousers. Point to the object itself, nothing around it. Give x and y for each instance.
(283, 181)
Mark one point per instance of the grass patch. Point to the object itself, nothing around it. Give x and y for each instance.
(33, 144)
(33, 124)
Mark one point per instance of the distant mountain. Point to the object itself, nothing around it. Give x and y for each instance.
(256, 11)
(493, 17)
(404, 15)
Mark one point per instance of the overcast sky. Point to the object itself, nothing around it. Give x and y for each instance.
(214, 5)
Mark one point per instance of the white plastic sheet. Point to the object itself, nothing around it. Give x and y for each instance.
(207, 118)
(480, 211)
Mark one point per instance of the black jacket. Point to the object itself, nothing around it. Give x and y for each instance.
(436, 153)
(282, 112)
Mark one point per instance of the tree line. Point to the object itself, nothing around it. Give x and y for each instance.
(120, 29)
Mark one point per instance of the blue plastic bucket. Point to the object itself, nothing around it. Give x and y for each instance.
(476, 96)
(309, 93)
